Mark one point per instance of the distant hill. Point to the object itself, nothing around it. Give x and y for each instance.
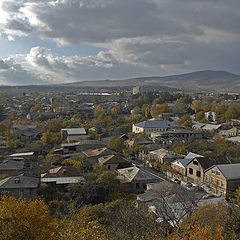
(201, 80)
(208, 80)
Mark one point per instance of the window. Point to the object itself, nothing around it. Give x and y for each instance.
(217, 173)
(218, 182)
(195, 163)
(137, 185)
(217, 191)
(213, 171)
(207, 178)
(190, 171)
(222, 184)
(212, 180)
(198, 174)
(109, 167)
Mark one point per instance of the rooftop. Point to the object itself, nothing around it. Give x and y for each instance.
(19, 182)
(22, 154)
(74, 131)
(156, 123)
(63, 180)
(230, 171)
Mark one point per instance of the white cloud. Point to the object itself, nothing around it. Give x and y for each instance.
(12, 73)
(141, 37)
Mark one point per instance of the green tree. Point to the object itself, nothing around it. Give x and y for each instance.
(116, 144)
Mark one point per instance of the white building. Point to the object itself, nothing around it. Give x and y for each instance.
(153, 125)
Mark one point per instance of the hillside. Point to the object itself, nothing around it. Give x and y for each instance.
(201, 80)
(208, 80)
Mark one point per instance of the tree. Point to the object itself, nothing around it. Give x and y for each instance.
(2, 116)
(54, 158)
(116, 144)
(26, 220)
(158, 100)
(37, 108)
(116, 110)
(196, 105)
(98, 111)
(196, 232)
(185, 121)
(157, 109)
(11, 143)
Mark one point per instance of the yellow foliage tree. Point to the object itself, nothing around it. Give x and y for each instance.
(196, 232)
(80, 227)
(26, 220)
(157, 109)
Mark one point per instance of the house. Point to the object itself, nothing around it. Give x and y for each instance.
(229, 133)
(93, 154)
(197, 125)
(212, 127)
(25, 155)
(62, 181)
(144, 153)
(162, 155)
(223, 180)
(234, 139)
(82, 146)
(72, 134)
(26, 132)
(153, 125)
(11, 167)
(63, 171)
(43, 116)
(20, 186)
(197, 167)
(114, 162)
(176, 135)
(211, 116)
(62, 176)
(171, 202)
(180, 165)
(134, 179)
(137, 141)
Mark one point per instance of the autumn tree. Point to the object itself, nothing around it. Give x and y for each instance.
(36, 108)
(115, 110)
(196, 105)
(98, 111)
(26, 220)
(158, 109)
(185, 121)
(11, 143)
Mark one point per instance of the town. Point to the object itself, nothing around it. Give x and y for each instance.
(155, 157)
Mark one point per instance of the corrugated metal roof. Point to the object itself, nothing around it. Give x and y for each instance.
(19, 182)
(11, 165)
(211, 127)
(63, 180)
(230, 171)
(75, 131)
(156, 123)
(22, 154)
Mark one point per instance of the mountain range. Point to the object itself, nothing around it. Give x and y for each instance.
(219, 81)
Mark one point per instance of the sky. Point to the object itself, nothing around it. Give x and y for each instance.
(61, 41)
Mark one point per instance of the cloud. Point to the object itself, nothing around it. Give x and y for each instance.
(139, 37)
(3, 65)
(76, 68)
(12, 73)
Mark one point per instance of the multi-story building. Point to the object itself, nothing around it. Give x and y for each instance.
(154, 125)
